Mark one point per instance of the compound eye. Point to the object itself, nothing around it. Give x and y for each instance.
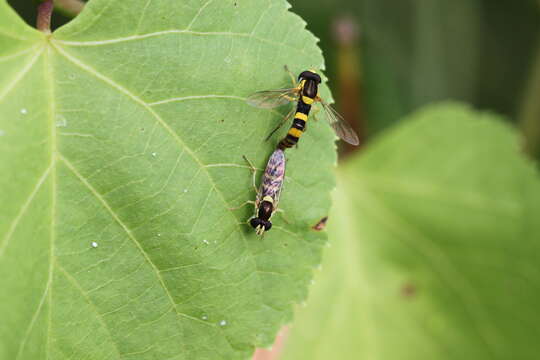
(267, 225)
(254, 222)
(304, 75)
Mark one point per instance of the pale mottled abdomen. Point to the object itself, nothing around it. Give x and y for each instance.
(273, 176)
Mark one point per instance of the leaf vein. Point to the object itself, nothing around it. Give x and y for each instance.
(23, 210)
(176, 31)
(20, 75)
(100, 318)
(201, 9)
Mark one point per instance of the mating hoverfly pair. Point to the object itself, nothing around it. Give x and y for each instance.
(305, 93)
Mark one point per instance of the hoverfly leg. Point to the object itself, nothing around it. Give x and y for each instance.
(253, 175)
(293, 78)
(242, 205)
(285, 119)
(316, 110)
(276, 129)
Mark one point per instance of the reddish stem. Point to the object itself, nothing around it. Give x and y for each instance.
(275, 352)
(44, 12)
(349, 79)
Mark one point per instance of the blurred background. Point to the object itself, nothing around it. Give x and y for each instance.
(386, 58)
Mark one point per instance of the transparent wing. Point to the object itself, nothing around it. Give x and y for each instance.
(340, 126)
(272, 98)
(276, 200)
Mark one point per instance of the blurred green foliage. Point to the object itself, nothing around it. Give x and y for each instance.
(415, 52)
(435, 250)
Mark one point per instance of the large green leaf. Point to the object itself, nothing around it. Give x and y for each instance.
(121, 154)
(436, 248)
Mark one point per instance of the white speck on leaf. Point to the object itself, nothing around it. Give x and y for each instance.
(24, 111)
(227, 60)
(154, 154)
(205, 241)
(158, 234)
(223, 323)
(61, 121)
(185, 190)
(204, 317)
(94, 244)
(2, 132)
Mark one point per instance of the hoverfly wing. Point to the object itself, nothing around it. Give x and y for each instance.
(272, 98)
(340, 126)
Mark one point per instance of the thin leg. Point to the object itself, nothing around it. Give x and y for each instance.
(316, 110)
(254, 174)
(244, 204)
(293, 78)
(285, 119)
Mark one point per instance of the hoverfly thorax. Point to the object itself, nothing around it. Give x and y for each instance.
(310, 81)
(265, 210)
(310, 89)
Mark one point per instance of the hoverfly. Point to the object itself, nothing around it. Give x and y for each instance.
(305, 93)
(266, 202)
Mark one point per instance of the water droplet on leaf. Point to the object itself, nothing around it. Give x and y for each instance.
(61, 121)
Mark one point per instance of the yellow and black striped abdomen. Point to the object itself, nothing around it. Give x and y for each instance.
(299, 123)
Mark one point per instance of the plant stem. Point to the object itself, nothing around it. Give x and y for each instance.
(44, 12)
(69, 7)
(349, 78)
(529, 115)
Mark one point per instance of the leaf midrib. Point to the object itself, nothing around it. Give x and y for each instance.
(49, 70)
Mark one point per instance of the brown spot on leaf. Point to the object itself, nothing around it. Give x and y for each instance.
(408, 290)
(321, 224)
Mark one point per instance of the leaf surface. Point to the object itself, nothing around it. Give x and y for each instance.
(435, 248)
(121, 146)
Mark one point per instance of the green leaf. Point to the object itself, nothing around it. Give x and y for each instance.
(121, 146)
(435, 248)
